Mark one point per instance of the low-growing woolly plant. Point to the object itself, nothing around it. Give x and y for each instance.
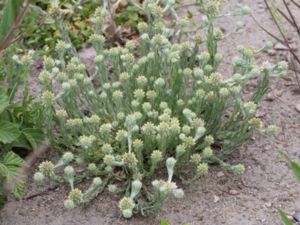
(160, 105)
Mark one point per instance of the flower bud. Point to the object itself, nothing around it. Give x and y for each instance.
(126, 203)
(127, 213)
(136, 188)
(170, 163)
(76, 196)
(129, 159)
(250, 107)
(61, 46)
(48, 98)
(99, 59)
(86, 141)
(224, 92)
(121, 135)
(271, 130)
(268, 45)
(159, 83)
(138, 144)
(141, 81)
(69, 171)
(79, 160)
(105, 129)
(107, 149)
(26, 60)
(207, 152)
(196, 159)
(103, 95)
(180, 150)
(97, 182)
(156, 184)
(67, 157)
(149, 129)
(142, 27)
(73, 123)
(151, 95)
(156, 156)
(112, 188)
(245, 10)
(186, 129)
(49, 63)
(38, 177)
(204, 57)
(92, 167)
(62, 114)
(109, 169)
(69, 204)
(47, 169)
(238, 169)
(178, 193)
(109, 160)
(130, 121)
(202, 169)
(117, 95)
(209, 140)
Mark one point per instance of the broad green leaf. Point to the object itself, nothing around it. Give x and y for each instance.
(12, 161)
(22, 142)
(8, 132)
(3, 170)
(34, 136)
(29, 139)
(164, 222)
(2, 196)
(284, 218)
(9, 168)
(19, 187)
(10, 12)
(190, 14)
(4, 103)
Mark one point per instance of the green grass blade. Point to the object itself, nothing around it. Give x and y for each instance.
(294, 166)
(284, 218)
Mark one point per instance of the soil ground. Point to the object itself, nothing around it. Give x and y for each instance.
(219, 198)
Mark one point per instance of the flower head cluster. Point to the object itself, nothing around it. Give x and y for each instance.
(149, 104)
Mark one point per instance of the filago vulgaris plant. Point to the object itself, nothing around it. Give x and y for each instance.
(159, 105)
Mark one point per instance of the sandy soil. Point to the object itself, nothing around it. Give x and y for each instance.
(219, 198)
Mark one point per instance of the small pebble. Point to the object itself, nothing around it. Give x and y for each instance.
(268, 204)
(270, 97)
(233, 192)
(271, 52)
(279, 46)
(216, 198)
(260, 114)
(220, 174)
(296, 216)
(297, 107)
